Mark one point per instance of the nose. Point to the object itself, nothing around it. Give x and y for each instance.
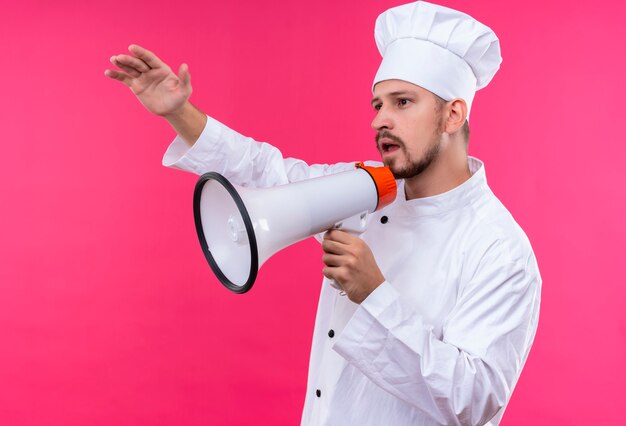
(382, 120)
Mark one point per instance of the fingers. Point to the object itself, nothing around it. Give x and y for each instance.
(145, 55)
(130, 62)
(333, 247)
(340, 236)
(130, 70)
(331, 273)
(119, 76)
(183, 74)
(337, 241)
(332, 260)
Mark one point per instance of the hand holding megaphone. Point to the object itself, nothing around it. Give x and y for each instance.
(354, 225)
(240, 228)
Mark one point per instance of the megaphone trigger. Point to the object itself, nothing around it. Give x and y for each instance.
(355, 224)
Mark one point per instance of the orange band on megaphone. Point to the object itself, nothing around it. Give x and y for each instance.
(384, 181)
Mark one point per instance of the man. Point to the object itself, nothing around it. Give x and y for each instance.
(443, 288)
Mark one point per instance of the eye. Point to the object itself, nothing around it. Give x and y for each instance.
(377, 106)
(403, 101)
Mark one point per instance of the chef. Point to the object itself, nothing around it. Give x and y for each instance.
(440, 295)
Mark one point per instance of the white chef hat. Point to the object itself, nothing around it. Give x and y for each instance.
(442, 50)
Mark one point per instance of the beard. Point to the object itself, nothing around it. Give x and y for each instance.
(413, 167)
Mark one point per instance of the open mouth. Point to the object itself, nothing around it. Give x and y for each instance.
(388, 143)
(387, 146)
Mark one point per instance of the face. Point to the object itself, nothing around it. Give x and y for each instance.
(408, 126)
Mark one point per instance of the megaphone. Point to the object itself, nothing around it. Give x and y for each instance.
(240, 228)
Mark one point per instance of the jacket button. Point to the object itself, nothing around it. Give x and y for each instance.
(318, 393)
(384, 220)
(331, 333)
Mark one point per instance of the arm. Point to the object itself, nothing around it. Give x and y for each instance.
(160, 90)
(466, 375)
(203, 144)
(241, 159)
(189, 122)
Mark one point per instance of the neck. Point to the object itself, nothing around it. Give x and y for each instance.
(449, 170)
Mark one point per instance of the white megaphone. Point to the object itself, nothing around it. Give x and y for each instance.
(240, 228)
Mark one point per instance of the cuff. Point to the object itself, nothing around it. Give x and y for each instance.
(365, 326)
(181, 156)
(380, 299)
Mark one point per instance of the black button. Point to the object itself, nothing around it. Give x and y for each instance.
(384, 220)
(318, 393)
(331, 333)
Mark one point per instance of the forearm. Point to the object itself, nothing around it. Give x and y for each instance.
(240, 159)
(399, 353)
(188, 122)
(466, 374)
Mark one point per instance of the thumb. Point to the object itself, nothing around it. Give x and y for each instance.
(185, 77)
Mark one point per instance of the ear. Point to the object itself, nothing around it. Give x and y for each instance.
(457, 114)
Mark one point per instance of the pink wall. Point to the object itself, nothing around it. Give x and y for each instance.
(108, 311)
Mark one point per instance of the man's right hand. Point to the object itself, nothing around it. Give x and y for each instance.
(160, 90)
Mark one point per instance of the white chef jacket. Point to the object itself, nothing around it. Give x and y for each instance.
(443, 340)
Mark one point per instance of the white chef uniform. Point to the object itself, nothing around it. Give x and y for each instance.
(444, 339)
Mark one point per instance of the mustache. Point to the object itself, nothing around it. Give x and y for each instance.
(385, 134)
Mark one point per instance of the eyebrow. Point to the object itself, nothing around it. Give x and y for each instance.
(394, 95)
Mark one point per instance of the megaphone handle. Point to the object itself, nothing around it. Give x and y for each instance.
(355, 225)
(336, 286)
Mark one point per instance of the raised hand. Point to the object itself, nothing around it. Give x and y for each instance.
(153, 82)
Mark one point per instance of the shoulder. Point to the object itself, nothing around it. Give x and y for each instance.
(496, 240)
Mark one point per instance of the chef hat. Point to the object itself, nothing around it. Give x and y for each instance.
(442, 50)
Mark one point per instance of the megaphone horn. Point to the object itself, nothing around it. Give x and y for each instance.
(240, 228)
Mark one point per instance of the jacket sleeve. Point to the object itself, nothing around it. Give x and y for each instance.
(467, 375)
(241, 159)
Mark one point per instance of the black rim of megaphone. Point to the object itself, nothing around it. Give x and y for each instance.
(254, 255)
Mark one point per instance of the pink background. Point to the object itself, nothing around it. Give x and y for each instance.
(109, 313)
